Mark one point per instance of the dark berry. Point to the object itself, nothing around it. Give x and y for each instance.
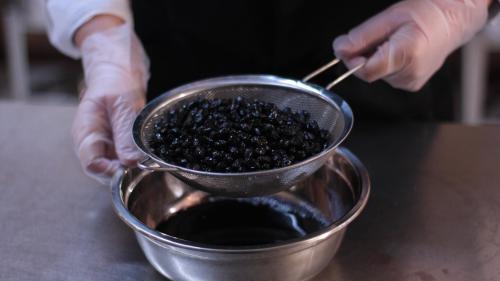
(235, 135)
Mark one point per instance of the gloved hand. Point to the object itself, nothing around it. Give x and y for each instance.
(405, 44)
(116, 74)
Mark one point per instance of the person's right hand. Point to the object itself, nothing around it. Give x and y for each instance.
(409, 41)
(116, 74)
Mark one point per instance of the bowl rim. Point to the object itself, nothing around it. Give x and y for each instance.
(234, 80)
(309, 239)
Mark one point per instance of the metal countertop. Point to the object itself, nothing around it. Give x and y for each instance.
(433, 214)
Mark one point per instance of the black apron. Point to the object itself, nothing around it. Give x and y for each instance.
(191, 40)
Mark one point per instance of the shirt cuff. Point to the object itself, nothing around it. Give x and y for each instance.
(65, 17)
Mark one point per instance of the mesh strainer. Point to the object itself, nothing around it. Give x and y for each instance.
(329, 110)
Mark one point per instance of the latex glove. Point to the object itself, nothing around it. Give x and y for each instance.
(116, 74)
(405, 44)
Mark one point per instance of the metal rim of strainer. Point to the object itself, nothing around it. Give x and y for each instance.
(179, 93)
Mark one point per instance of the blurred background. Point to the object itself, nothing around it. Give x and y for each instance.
(31, 70)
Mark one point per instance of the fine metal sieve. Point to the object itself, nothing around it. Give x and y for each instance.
(331, 112)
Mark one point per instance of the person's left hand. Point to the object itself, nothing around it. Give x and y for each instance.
(410, 40)
(116, 73)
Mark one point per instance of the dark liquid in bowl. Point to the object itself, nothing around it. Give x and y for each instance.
(232, 222)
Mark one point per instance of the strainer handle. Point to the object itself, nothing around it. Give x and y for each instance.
(327, 66)
(149, 164)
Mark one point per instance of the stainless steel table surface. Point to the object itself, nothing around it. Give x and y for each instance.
(433, 214)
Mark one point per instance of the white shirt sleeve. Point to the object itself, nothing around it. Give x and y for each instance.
(66, 16)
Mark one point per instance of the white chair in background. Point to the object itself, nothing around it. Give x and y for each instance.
(20, 18)
(475, 64)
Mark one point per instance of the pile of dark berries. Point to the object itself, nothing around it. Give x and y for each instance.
(235, 135)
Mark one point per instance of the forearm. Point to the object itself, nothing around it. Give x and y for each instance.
(96, 24)
(65, 18)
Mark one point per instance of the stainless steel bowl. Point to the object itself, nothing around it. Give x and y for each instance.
(339, 191)
(331, 112)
